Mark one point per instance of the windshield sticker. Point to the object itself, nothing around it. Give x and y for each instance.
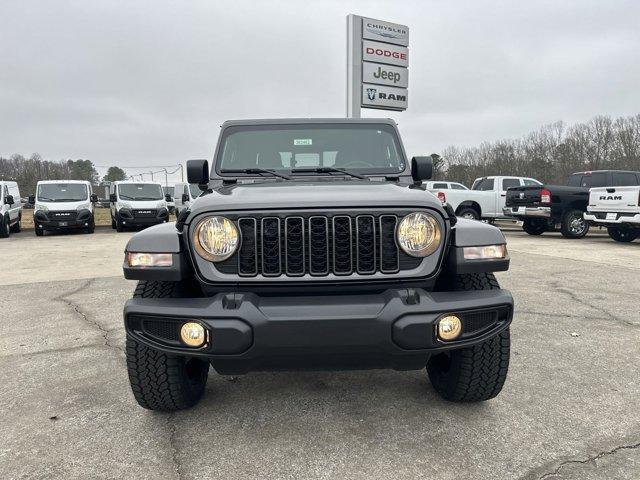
(302, 141)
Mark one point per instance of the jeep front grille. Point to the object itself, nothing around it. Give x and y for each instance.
(317, 245)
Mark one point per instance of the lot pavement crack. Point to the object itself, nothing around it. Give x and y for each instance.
(177, 466)
(574, 296)
(106, 333)
(587, 460)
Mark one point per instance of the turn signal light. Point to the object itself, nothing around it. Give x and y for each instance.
(149, 259)
(442, 197)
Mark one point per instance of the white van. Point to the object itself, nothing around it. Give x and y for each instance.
(137, 204)
(185, 194)
(10, 209)
(63, 205)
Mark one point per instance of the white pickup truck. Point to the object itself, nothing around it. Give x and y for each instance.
(485, 200)
(618, 209)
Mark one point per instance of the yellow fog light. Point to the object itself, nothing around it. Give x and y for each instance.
(449, 327)
(138, 259)
(193, 334)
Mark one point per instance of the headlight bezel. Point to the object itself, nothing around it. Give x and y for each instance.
(429, 248)
(204, 252)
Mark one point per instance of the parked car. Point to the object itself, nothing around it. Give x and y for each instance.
(555, 207)
(137, 204)
(445, 186)
(170, 190)
(486, 198)
(63, 205)
(186, 193)
(283, 266)
(618, 209)
(10, 209)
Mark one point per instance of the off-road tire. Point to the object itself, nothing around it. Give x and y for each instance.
(567, 228)
(534, 226)
(476, 373)
(160, 381)
(468, 212)
(5, 229)
(624, 235)
(17, 227)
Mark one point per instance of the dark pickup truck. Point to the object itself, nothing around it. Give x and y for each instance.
(549, 208)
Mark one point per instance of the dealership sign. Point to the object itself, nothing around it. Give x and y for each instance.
(377, 65)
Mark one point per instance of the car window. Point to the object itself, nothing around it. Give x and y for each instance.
(597, 179)
(440, 185)
(575, 180)
(623, 179)
(483, 184)
(530, 181)
(458, 186)
(510, 182)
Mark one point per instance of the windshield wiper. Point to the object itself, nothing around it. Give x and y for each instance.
(256, 170)
(327, 170)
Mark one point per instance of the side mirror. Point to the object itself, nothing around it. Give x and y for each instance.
(185, 198)
(421, 168)
(198, 173)
(32, 199)
(94, 198)
(113, 198)
(9, 200)
(168, 198)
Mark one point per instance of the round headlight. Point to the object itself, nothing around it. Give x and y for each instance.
(216, 238)
(419, 234)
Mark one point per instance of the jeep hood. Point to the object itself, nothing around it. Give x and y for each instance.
(296, 194)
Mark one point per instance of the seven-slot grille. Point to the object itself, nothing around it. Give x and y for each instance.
(317, 245)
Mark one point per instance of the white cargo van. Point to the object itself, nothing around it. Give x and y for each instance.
(10, 209)
(63, 205)
(137, 204)
(185, 195)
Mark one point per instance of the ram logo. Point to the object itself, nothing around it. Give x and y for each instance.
(610, 197)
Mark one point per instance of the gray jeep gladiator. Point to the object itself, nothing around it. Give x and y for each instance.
(314, 245)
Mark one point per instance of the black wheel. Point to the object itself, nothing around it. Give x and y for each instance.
(17, 227)
(5, 229)
(534, 226)
(160, 381)
(623, 234)
(119, 226)
(92, 227)
(113, 223)
(476, 373)
(469, 213)
(573, 224)
(39, 231)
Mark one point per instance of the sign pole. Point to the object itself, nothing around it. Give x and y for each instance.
(354, 65)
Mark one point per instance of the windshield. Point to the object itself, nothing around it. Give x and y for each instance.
(361, 148)
(62, 192)
(195, 191)
(140, 191)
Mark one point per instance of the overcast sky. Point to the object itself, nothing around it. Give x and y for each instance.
(136, 83)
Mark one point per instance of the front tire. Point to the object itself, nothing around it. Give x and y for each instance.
(5, 229)
(476, 373)
(17, 227)
(119, 226)
(160, 381)
(468, 213)
(533, 226)
(624, 235)
(39, 231)
(574, 225)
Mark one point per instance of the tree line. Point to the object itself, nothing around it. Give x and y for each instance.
(549, 154)
(27, 171)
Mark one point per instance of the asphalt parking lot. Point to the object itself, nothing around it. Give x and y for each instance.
(569, 408)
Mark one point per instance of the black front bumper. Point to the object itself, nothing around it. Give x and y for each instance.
(130, 218)
(52, 220)
(393, 329)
